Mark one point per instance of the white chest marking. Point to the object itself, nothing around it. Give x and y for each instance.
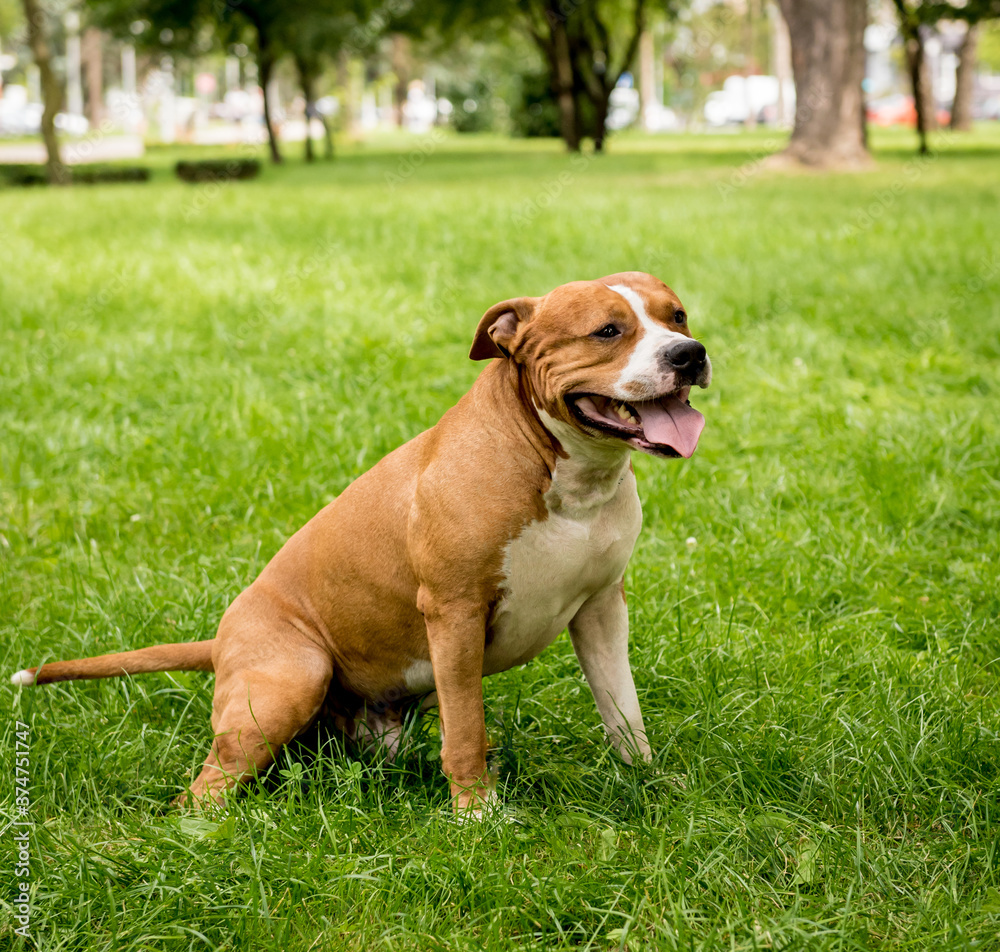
(556, 564)
(419, 676)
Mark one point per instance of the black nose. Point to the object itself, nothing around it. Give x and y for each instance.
(687, 358)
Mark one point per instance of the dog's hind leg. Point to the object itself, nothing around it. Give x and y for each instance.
(260, 704)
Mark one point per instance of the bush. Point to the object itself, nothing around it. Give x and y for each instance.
(473, 109)
(535, 113)
(217, 170)
(93, 175)
(78, 175)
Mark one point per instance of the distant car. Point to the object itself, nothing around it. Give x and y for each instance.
(661, 119)
(898, 110)
(18, 117)
(25, 119)
(989, 108)
(623, 107)
(741, 95)
(72, 123)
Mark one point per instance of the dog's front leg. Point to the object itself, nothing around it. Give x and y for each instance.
(599, 631)
(456, 634)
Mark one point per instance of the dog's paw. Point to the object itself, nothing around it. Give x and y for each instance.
(478, 807)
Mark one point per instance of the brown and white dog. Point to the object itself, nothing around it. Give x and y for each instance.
(465, 551)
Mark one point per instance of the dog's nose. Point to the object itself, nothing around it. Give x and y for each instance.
(686, 358)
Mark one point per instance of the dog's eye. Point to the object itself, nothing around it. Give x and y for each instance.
(608, 331)
(680, 317)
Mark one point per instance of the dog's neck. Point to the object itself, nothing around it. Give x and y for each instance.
(585, 472)
(590, 473)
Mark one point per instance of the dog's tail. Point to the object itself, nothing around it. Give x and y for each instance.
(185, 656)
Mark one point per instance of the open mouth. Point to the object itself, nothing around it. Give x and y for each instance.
(666, 426)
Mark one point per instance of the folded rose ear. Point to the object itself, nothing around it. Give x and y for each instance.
(498, 326)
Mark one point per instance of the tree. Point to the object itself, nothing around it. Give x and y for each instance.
(585, 46)
(965, 77)
(578, 39)
(266, 18)
(594, 59)
(193, 26)
(314, 34)
(36, 20)
(973, 12)
(917, 16)
(548, 27)
(828, 65)
(912, 22)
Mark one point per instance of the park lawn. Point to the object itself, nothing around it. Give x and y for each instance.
(190, 372)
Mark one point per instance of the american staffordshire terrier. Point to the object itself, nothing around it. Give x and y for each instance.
(465, 551)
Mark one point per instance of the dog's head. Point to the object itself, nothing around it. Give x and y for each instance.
(612, 358)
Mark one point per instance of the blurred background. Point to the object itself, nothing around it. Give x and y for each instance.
(113, 76)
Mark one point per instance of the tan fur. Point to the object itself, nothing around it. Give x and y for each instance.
(406, 566)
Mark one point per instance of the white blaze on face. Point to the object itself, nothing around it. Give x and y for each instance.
(643, 369)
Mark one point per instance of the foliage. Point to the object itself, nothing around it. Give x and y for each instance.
(989, 46)
(535, 113)
(931, 11)
(181, 27)
(191, 373)
(81, 175)
(11, 19)
(473, 105)
(216, 170)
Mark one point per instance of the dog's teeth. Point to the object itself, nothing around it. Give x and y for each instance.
(621, 410)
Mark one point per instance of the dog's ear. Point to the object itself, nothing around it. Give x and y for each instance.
(498, 326)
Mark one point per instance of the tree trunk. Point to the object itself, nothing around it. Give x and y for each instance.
(828, 64)
(748, 66)
(782, 64)
(401, 62)
(265, 68)
(917, 69)
(51, 93)
(327, 137)
(309, 157)
(916, 66)
(563, 86)
(93, 69)
(593, 61)
(306, 83)
(600, 104)
(348, 114)
(648, 98)
(965, 81)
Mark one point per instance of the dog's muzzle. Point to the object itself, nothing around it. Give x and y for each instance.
(686, 359)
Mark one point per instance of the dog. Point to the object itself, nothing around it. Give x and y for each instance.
(464, 552)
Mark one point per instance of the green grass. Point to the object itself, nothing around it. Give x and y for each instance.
(189, 373)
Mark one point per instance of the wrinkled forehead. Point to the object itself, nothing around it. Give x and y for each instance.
(624, 296)
(659, 301)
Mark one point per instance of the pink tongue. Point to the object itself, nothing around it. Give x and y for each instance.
(671, 422)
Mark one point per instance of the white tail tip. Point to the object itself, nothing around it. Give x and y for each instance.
(23, 677)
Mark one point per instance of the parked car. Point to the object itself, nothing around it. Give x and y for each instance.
(899, 110)
(989, 108)
(18, 117)
(732, 104)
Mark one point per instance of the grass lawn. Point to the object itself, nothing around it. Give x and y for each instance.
(190, 372)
